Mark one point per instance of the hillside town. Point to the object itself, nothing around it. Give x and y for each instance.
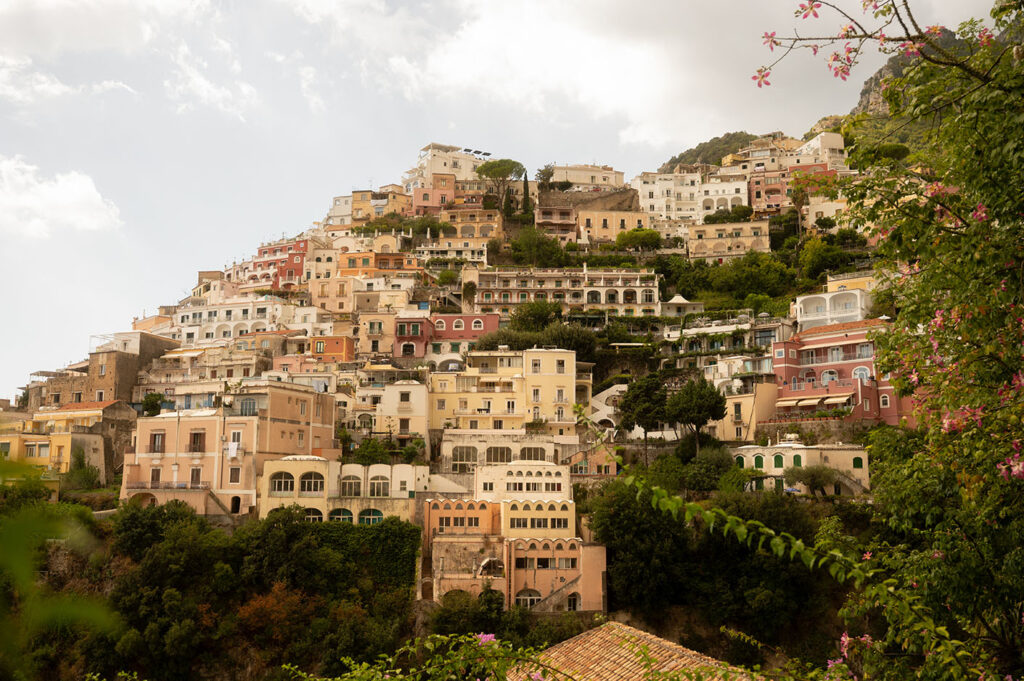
(379, 363)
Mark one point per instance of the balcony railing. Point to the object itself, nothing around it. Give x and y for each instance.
(146, 484)
(826, 359)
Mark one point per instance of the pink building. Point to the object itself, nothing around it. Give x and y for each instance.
(833, 367)
(770, 191)
(441, 194)
(441, 337)
(280, 264)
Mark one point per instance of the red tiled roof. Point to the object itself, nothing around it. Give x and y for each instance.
(845, 326)
(82, 406)
(616, 651)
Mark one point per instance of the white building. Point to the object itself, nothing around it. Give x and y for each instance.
(442, 159)
(820, 309)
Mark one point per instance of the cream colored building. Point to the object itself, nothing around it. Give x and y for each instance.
(849, 461)
(831, 307)
(719, 243)
(330, 490)
(464, 451)
(442, 159)
(589, 176)
(619, 292)
(509, 392)
(689, 196)
(602, 226)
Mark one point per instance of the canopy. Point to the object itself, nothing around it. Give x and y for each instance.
(838, 399)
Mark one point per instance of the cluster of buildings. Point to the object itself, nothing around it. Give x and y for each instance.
(240, 397)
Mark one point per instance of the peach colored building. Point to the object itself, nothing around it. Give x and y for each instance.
(211, 458)
(517, 534)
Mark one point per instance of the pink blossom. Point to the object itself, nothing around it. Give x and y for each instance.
(936, 188)
(980, 213)
(934, 30)
(536, 676)
(770, 41)
(809, 9)
(868, 4)
(911, 49)
(914, 378)
(844, 643)
(761, 77)
(985, 37)
(938, 555)
(484, 638)
(882, 37)
(814, 50)
(866, 556)
(1012, 467)
(846, 30)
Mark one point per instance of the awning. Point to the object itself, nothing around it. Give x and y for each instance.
(786, 403)
(838, 399)
(808, 402)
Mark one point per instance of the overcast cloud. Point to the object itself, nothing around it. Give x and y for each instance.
(144, 140)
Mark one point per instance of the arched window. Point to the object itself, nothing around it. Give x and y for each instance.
(777, 461)
(858, 462)
(571, 547)
(551, 507)
(499, 454)
(483, 507)
(470, 506)
(527, 598)
(828, 376)
(545, 547)
(519, 474)
(529, 474)
(350, 486)
(533, 547)
(440, 325)
(513, 507)
(370, 516)
(311, 483)
(342, 515)
(796, 461)
(458, 325)
(565, 507)
(435, 506)
(447, 507)
(739, 462)
(572, 601)
(458, 507)
(593, 296)
(478, 325)
(526, 507)
(379, 486)
(861, 373)
(314, 515)
(558, 546)
(758, 461)
(558, 474)
(282, 483)
(884, 401)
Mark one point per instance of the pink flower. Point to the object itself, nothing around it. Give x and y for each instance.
(761, 77)
(866, 556)
(536, 676)
(484, 639)
(934, 30)
(1012, 467)
(881, 37)
(936, 188)
(985, 37)
(911, 49)
(844, 643)
(938, 555)
(868, 4)
(814, 50)
(809, 9)
(980, 213)
(769, 40)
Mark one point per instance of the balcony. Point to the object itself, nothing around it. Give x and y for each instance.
(144, 484)
(835, 357)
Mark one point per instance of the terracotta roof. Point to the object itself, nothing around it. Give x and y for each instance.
(616, 651)
(85, 406)
(845, 326)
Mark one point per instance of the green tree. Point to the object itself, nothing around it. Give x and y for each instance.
(643, 405)
(531, 247)
(508, 204)
(80, 474)
(825, 223)
(535, 315)
(372, 450)
(151, 404)
(753, 273)
(527, 206)
(694, 405)
(545, 174)
(816, 478)
(448, 278)
(500, 173)
(643, 239)
(817, 257)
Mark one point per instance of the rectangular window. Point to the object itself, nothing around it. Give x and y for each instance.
(404, 397)
(517, 523)
(488, 486)
(474, 522)
(440, 405)
(459, 521)
(566, 563)
(538, 523)
(154, 475)
(560, 366)
(545, 563)
(559, 523)
(535, 366)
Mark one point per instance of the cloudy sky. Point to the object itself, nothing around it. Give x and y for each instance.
(141, 141)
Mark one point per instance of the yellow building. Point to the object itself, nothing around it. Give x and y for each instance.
(596, 226)
(718, 243)
(864, 281)
(508, 391)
